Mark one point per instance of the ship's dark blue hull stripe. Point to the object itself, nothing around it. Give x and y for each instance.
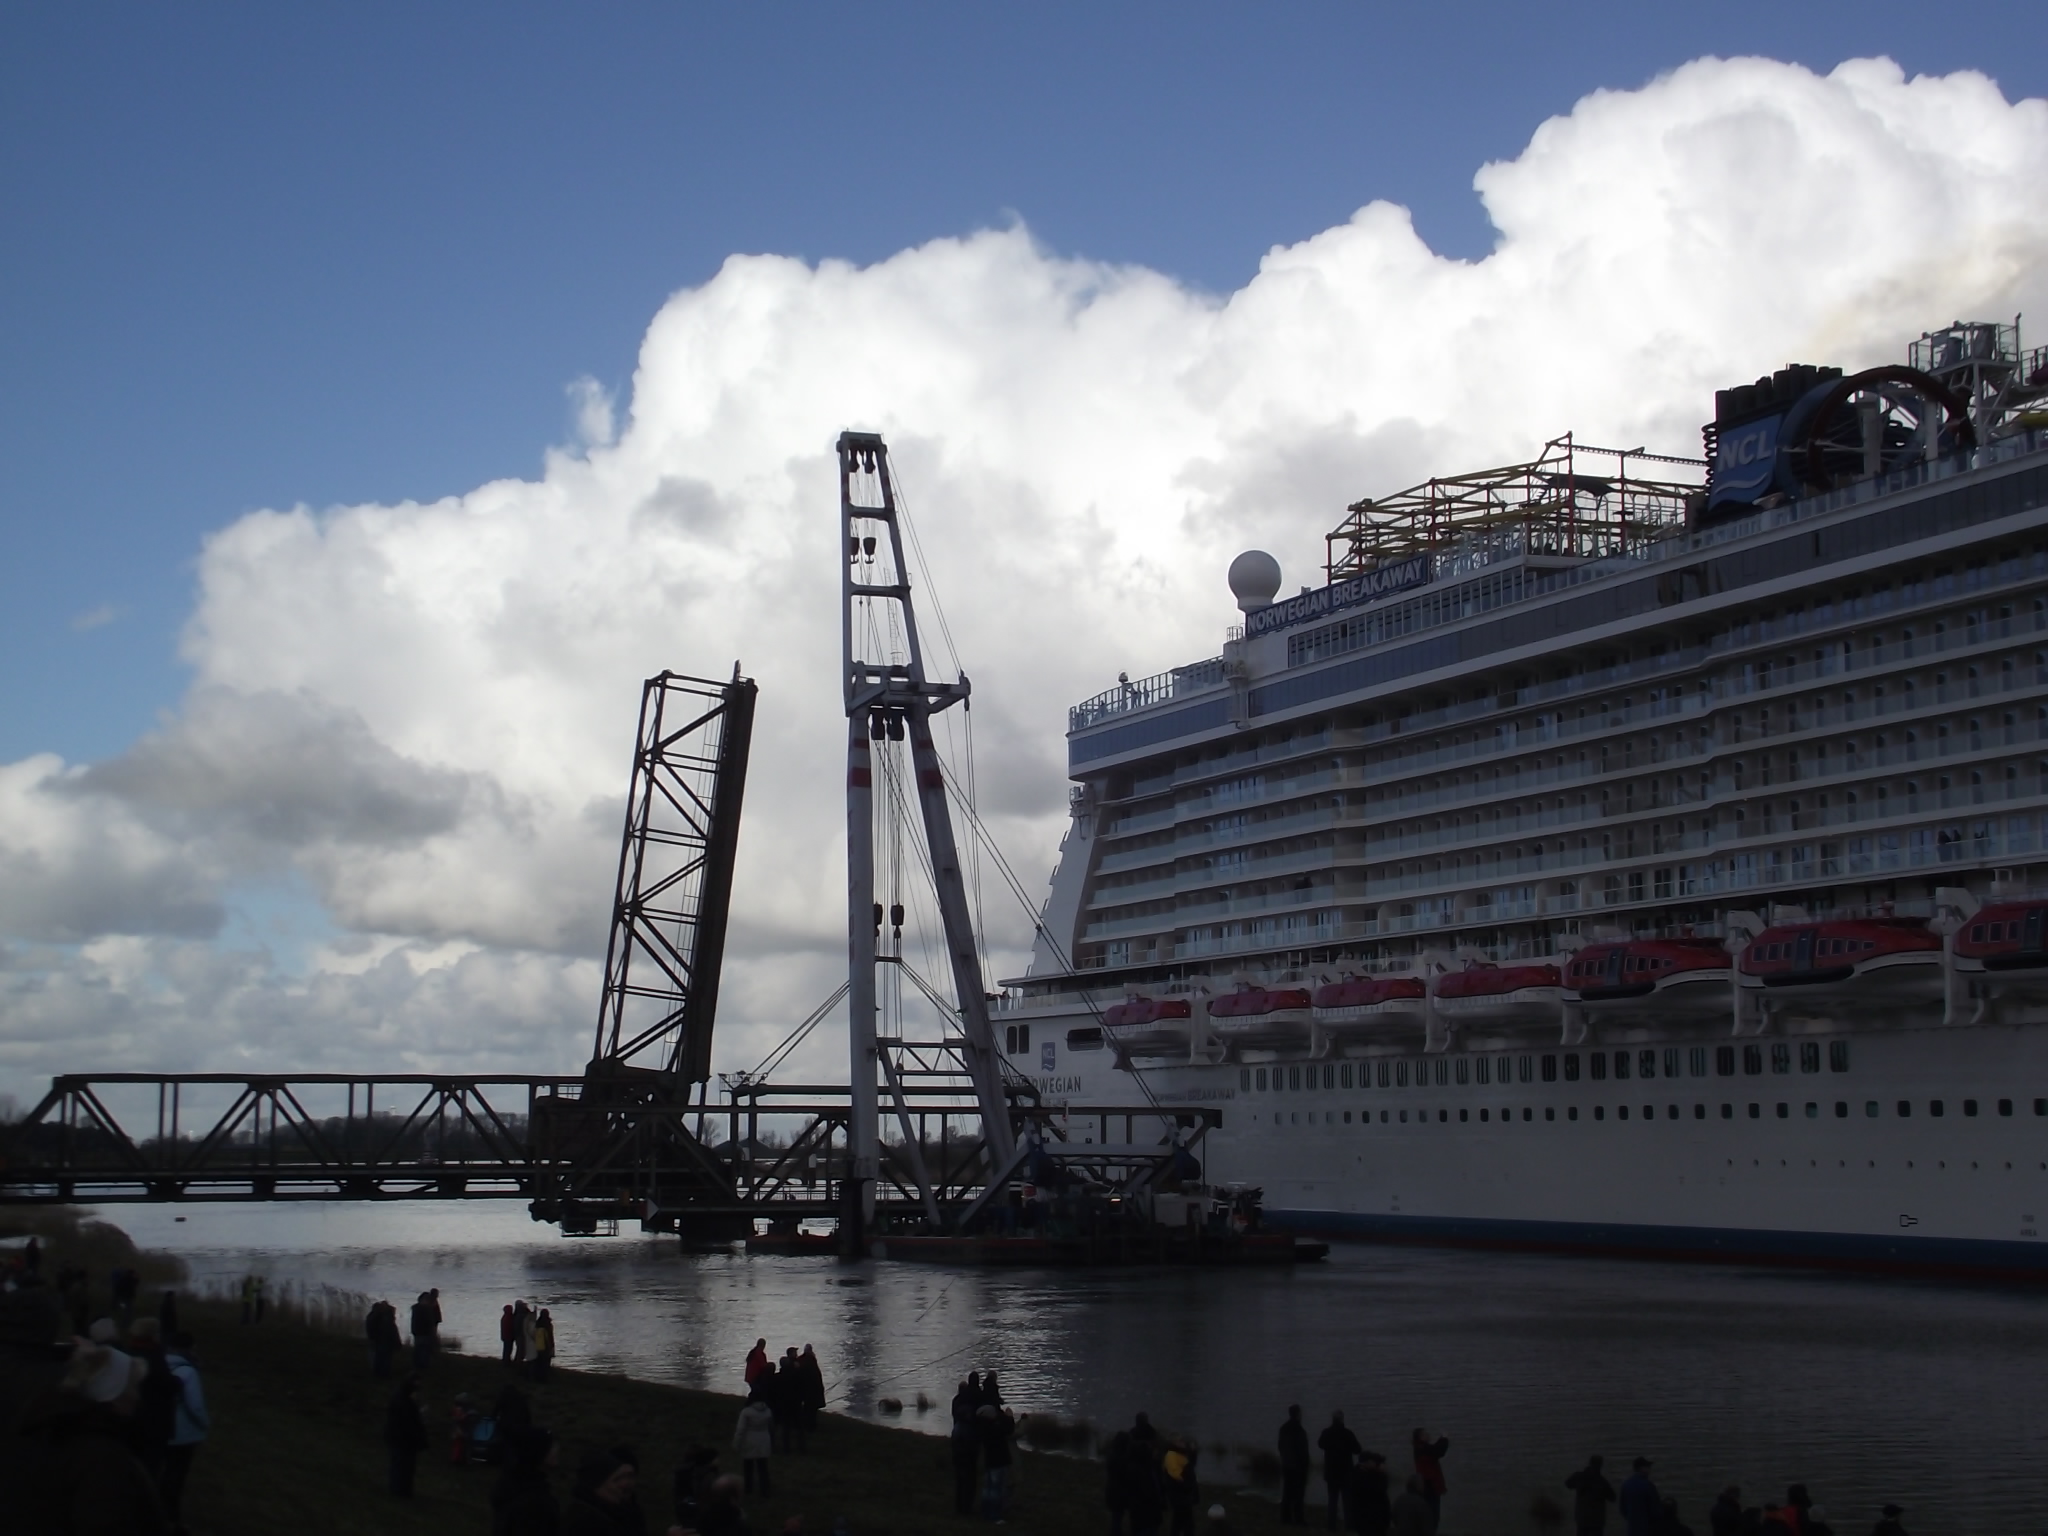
(1850, 1250)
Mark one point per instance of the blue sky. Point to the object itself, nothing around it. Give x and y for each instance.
(261, 256)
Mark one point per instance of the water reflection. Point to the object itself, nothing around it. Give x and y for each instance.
(1867, 1390)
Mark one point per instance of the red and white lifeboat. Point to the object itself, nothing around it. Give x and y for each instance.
(1364, 1004)
(1669, 977)
(2006, 940)
(1500, 994)
(1874, 961)
(1257, 1017)
(1143, 1024)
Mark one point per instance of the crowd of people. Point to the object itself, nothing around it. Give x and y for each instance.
(1357, 1484)
(1646, 1512)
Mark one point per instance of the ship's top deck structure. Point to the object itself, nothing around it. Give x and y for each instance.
(1600, 692)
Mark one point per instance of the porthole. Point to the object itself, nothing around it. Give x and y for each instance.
(1570, 1114)
(1756, 1111)
(1812, 1111)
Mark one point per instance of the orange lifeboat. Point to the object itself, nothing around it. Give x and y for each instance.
(1880, 961)
(1149, 1024)
(1501, 994)
(1360, 1004)
(1668, 977)
(1256, 1016)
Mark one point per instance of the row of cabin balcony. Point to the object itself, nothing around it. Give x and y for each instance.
(1993, 784)
(2012, 672)
(1860, 601)
(1968, 735)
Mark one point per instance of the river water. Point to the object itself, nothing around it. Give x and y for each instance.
(1868, 1390)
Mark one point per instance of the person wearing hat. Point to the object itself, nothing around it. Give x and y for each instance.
(605, 1499)
(84, 1476)
(1889, 1525)
(1642, 1507)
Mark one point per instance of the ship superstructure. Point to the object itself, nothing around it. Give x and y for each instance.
(1610, 768)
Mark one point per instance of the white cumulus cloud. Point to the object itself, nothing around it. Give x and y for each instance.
(424, 710)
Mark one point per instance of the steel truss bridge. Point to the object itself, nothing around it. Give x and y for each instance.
(583, 1152)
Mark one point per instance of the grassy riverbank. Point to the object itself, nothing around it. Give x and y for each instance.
(297, 1421)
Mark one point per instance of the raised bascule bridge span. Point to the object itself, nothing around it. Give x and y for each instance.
(641, 1134)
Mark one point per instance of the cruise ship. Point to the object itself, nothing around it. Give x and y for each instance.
(1616, 852)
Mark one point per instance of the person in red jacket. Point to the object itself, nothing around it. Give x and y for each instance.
(757, 1362)
(1430, 1451)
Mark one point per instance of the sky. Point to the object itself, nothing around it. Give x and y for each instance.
(385, 391)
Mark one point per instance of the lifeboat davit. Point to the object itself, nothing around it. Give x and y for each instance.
(1361, 1004)
(1873, 961)
(1500, 994)
(1144, 1024)
(1666, 977)
(1255, 1016)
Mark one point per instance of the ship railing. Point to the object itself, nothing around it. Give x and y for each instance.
(1131, 695)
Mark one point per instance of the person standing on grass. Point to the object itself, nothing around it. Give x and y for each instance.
(965, 1442)
(157, 1411)
(426, 1331)
(813, 1377)
(543, 1345)
(1293, 1447)
(405, 1436)
(1366, 1502)
(1430, 1451)
(996, 1425)
(1340, 1449)
(1642, 1507)
(757, 1362)
(1591, 1494)
(523, 1503)
(522, 1351)
(1116, 1480)
(188, 1431)
(753, 1436)
(508, 1334)
(380, 1326)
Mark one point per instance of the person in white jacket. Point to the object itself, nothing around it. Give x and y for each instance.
(754, 1437)
(188, 1428)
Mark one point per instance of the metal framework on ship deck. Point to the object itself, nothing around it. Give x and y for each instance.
(1572, 501)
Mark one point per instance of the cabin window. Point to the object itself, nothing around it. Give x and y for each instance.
(1841, 1109)
(1330, 1076)
(2041, 1106)
(1782, 1115)
(1727, 1111)
(1696, 1061)
(1443, 1071)
(1809, 1055)
(1523, 1074)
(1244, 1078)
(1936, 1108)
(1482, 1069)
(1344, 1079)
(2005, 1106)
(1756, 1111)
(1970, 1108)
(1752, 1060)
(1084, 1039)
(1464, 1071)
(1598, 1062)
(1905, 1109)
(1382, 1074)
(1670, 1062)
(1294, 1078)
(1646, 1064)
(1401, 1074)
(1571, 1066)
(1260, 1078)
(1838, 1055)
(1549, 1068)
(1620, 1065)
(1724, 1060)
(1870, 1109)
(1781, 1059)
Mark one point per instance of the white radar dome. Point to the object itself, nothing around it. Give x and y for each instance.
(1254, 580)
